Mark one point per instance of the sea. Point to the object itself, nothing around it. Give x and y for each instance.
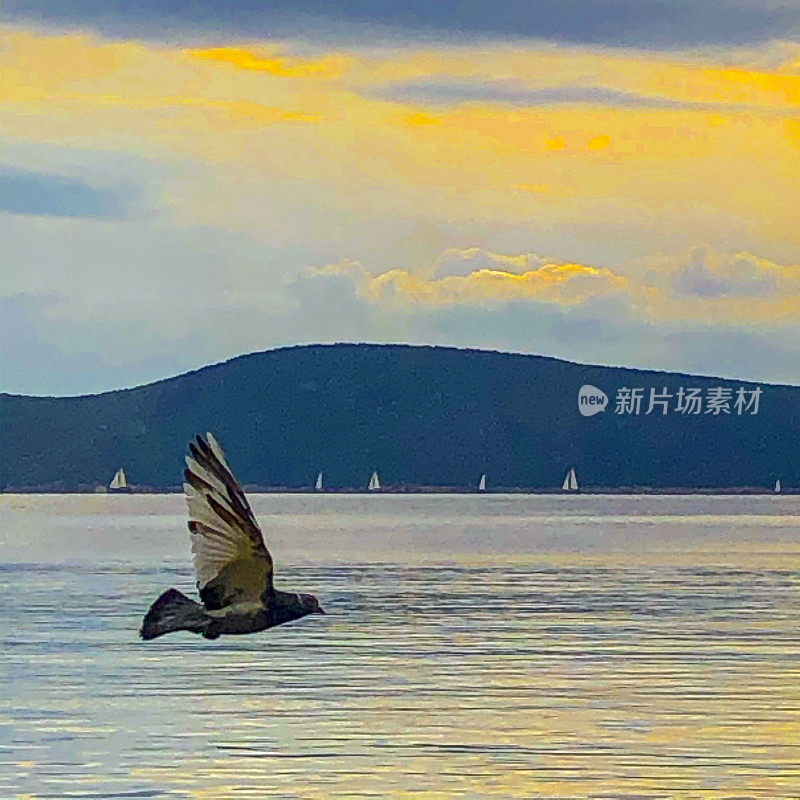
(474, 646)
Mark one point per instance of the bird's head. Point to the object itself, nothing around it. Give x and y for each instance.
(310, 604)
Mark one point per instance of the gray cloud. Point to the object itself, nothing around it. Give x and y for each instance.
(447, 91)
(52, 347)
(736, 276)
(45, 195)
(603, 330)
(641, 23)
(98, 304)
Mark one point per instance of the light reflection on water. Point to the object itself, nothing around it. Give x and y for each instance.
(474, 647)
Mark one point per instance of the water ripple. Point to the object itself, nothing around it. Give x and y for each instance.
(588, 673)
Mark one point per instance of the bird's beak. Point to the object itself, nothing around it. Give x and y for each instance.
(319, 610)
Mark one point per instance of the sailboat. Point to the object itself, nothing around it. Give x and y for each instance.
(482, 483)
(374, 483)
(571, 481)
(318, 484)
(778, 486)
(119, 482)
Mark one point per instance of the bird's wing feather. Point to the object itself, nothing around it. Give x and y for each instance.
(231, 561)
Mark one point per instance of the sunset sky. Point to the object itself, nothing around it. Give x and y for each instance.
(608, 182)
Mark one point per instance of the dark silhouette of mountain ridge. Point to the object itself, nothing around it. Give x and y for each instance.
(420, 415)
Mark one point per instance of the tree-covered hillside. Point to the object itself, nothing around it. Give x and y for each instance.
(428, 416)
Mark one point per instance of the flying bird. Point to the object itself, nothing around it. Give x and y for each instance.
(231, 561)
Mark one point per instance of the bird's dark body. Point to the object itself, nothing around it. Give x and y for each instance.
(174, 611)
(234, 567)
(277, 609)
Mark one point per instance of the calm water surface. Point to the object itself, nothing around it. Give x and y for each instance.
(475, 647)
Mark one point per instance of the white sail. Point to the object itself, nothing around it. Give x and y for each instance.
(570, 481)
(374, 483)
(482, 484)
(118, 481)
(778, 485)
(318, 484)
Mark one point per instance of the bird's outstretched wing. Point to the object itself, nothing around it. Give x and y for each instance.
(231, 561)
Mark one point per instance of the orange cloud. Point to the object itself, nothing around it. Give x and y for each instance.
(563, 284)
(598, 143)
(740, 85)
(700, 285)
(693, 167)
(418, 119)
(555, 143)
(278, 66)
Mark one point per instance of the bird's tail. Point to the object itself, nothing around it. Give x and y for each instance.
(174, 611)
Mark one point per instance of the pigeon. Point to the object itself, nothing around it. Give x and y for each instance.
(232, 563)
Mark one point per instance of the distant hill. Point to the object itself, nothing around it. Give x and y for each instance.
(428, 416)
